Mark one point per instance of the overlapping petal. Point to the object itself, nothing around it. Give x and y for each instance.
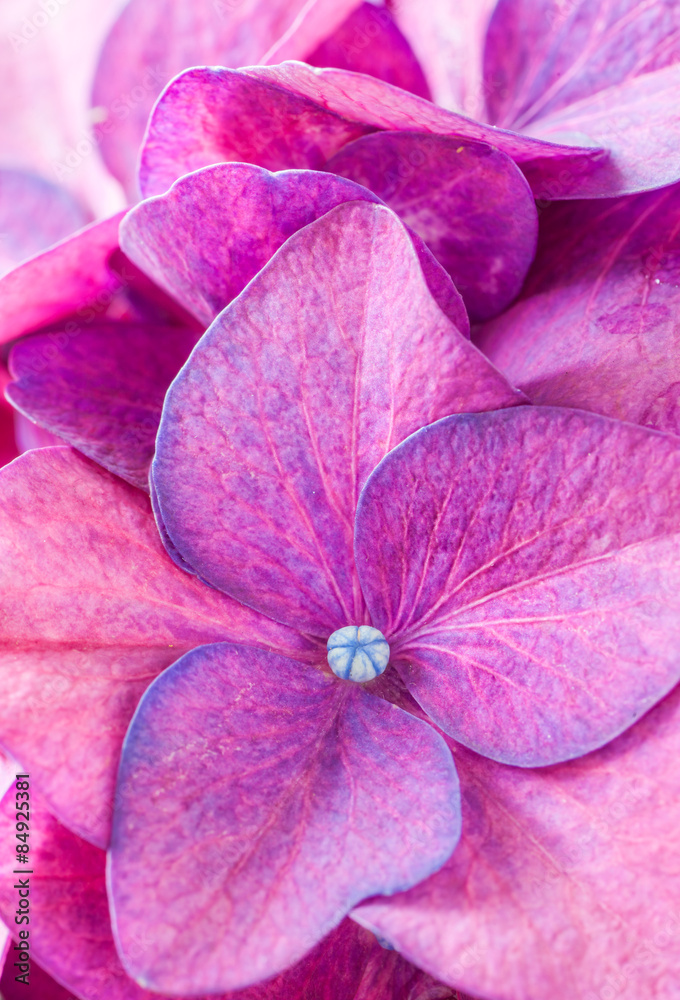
(215, 229)
(596, 326)
(258, 800)
(333, 354)
(93, 610)
(71, 936)
(151, 43)
(468, 201)
(296, 116)
(65, 279)
(566, 879)
(85, 389)
(369, 41)
(527, 565)
(543, 55)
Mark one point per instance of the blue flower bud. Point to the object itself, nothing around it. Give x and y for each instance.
(357, 653)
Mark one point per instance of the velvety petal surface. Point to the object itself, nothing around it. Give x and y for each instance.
(63, 280)
(370, 42)
(597, 325)
(566, 880)
(469, 202)
(637, 121)
(33, 214)
(258, 800)
(333, 354)
(71, 935)
(85, 389)
(151, 43)
(215, 229)
(93, 610)
(543, 55)
(524, 566)
(296, 116)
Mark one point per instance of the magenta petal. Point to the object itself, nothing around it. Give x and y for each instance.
(151, 43)
(93, 610)
(64, 279)
(636, 121)
(293, 115)
(33, 215)
(565, 883)
(543, 55)
(370, 42)
(70, 930)
(313, 794)
(596, 327)
(70, 934)
(101, 391)
(215, 229)
(335, 349)
(526, 564)
(469, 202)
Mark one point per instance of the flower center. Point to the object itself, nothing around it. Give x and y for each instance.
(357, 653)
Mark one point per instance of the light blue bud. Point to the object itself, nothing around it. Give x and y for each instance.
(357, 653)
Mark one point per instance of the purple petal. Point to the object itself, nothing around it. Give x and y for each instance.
(565, 883)
(313, 794)
(210, 234)
(61, 281)
(293, 115)
(469, 202)
(101, 390)
(215, 229)
(370, 42)
(525, 564)
(543, 55)
(151, 43)
(70, 930)
(33, 214)
(333, 354)
(636, 121)
(93, 610)
(448, 39)
(71, 934)
(596, 327)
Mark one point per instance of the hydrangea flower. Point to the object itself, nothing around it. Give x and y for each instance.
(522, 565)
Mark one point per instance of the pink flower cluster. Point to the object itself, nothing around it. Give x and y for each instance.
(379, 345)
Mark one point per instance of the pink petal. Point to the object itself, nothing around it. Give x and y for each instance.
(596, 327)
(526, 565)
(63, 280)
(333, 354)
(209, 115)
(448, 39)
(85, 389)
(543, 55)
(8, 445)
(33, 214)
(210, 234)
(565, 883)
(370, 42)
(93, 610)
(637, 121)
(71, 935)
(313, 794)
(469, 202)
(152, 42)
